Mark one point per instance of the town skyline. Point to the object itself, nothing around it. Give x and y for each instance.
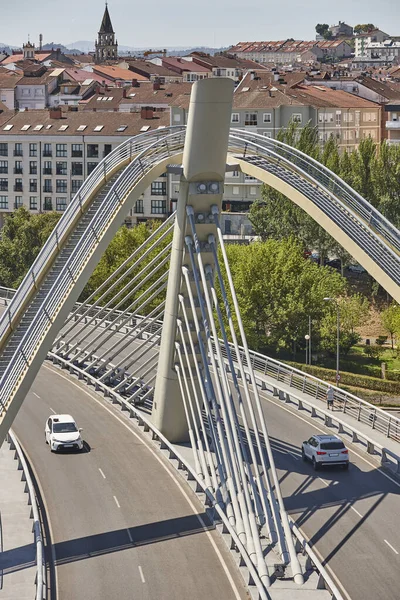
(224, 29)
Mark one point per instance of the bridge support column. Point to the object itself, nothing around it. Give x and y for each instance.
(204, 162)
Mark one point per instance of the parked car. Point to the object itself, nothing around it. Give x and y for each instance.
(325, 450)
(61, 432)
(356, 269)
(335, 263)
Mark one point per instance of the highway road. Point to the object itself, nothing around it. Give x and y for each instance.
(351, 517)
(123, 525)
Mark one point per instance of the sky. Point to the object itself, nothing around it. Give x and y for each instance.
(176, 23)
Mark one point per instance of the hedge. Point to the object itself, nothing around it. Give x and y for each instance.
(354, 379)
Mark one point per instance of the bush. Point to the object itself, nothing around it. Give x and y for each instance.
(374, 352)
(381, 340)
(354, 379)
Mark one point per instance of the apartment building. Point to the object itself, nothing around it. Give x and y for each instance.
(392, 112)
(45, 155)
(289, 52)
(362, 41)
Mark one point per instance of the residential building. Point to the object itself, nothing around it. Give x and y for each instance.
(106, 44)
(8, 84)
(45, 155)
(223, 65)
(341, 30)
(392, 112)
(289, 52)
(362, 40)
(115, 75)
(189, 70)
(34, 88)
(150, 71)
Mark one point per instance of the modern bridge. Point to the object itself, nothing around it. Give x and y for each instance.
(193, 386)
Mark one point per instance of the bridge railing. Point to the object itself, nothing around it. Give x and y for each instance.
(32, 337)
(37, 530)
(331, 182)
(121, 155)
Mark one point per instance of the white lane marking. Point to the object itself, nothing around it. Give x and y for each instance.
(391, 547)
(130, 536)
(323, 481)
(375, 467)
(35, 394)
(356, 511)
(141, 574)
(102, 474)
(52, 410)
(116, 502)
(167, 470)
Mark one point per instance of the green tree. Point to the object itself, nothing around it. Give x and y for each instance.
(322, 29)
(353, 310)
(278, 289)
(22, 237)
(364, 28)
(390, 318)
(385, 177)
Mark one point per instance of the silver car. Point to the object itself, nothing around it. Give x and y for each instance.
(325, 450)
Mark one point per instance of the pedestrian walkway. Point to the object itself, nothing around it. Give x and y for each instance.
(17, 548)
(363, 428)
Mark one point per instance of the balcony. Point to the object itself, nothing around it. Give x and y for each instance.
(47, 153)
(18, 153)
(18, 171)
(47, 189)
(18, 188)
(392, 124)
(47, 171)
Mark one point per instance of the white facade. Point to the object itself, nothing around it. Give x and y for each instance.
(362, 41)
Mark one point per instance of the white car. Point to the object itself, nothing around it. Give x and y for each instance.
(325, 450)
(61, 432)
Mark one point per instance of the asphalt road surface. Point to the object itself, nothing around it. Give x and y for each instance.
(123, 525)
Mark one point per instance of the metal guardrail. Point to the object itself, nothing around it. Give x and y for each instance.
(359, 409)
(325, 579)
(37, 531)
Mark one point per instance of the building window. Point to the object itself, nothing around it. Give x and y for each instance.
(47, 168)
(235, 118)
(267, 134)
(91, 167)
(77, 151)
(107, 149)
(158, 188)
(18, 170)
(18, 201)
(338, 119)
(47, 151)
(77, 168)
(158, 207)
(32, 167)
(139, 206)
(267, 118)
(61, 186)
(75, 185)
(61, 168)
(48, 204)
(48, 186)
(253, 190)
(3, 201)
(235, 173)
(177, 118)
(61, 204)
(297, 118)
(33, 202)
(4, 166)
(18, 185)
(93, 151)
(251, 119)
(32, 149)
(18, 150)
(33, 185)
(4, 185)
(61, 150)
(3, 149)
(235, 190)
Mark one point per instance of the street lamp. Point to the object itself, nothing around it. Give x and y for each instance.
(307, 338)
(337, 337)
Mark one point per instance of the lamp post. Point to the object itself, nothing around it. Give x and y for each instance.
(307, 338)
(337, 337)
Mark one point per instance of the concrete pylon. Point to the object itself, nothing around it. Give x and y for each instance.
(201, 186)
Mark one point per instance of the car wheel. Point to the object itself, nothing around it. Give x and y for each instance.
(45, 438)
(303, 455)
(315, 464)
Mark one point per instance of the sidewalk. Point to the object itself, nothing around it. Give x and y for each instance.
(17, 548)
(363, 428)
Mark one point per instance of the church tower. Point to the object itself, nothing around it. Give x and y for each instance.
(106, 45)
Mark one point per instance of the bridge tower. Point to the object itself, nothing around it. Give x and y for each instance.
(201, 187)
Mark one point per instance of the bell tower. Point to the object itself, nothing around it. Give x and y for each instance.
(106, 44)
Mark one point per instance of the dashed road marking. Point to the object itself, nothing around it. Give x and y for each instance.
(116, 502)
(130, 536)
(141, 575)
(356, 511)
(391, 547)
(52, 410)
(35, 394)
(102, 474)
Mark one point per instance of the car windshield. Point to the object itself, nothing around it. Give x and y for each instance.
(332, 446)
(64, 427)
